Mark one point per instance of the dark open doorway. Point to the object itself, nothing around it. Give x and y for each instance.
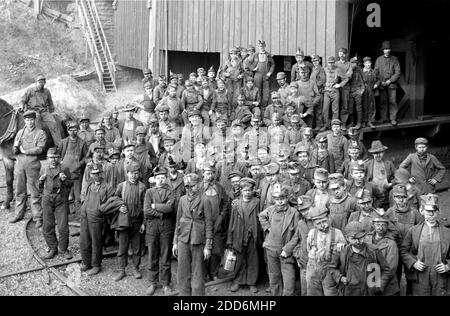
(187, 62)
(421, 33)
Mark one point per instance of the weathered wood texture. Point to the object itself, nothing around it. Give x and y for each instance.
(131, 33)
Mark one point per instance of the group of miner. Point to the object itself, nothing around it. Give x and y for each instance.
(223, 165)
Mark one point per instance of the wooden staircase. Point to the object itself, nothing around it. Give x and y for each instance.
(98, 45)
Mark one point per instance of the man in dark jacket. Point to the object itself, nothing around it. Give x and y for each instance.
(243, 236)
(159, 221)
(192, 242)
(426, 252)
(56, 184)
(132, 192)
(387, 69)
(73, 152)
(426, 169)
(360, 269)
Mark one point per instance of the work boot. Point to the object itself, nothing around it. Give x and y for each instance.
(168, 291)
(15, 220)
(38, 223)
(394, 122)
(234, 287)
(120, 275)
(67, 255)
(136, 273)
(253, 289)
(94, 271)
(151, 290)
(370, 124)
(51, 253)
(84, 268)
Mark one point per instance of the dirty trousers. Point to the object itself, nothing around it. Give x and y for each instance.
(318, 281)
(159, 235)
(191, 270)
(127, 236)
(55, 213)
(27, 176)
(281, 274)
(91, 246)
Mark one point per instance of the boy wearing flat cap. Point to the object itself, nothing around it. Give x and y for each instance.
(321, 156)
(386, 243)
(132, 193)
(305, 165)
(218, 198)
(283, 87)
(425, 168)
(279, 223)
(275, 107)
(255, 136)
(360, 269)
(242, 237)
(242, 113)
(337, 143)
(368, 99)
(358, 184)
(192, 242)
(95, 194)
(191, 100)
(55, 184)
(425, 251)
(341, 204)
(98, 161)
(73, 152)
(159, 221)
(252, 95)
(323, 243)
(193, 132)
(296, 183)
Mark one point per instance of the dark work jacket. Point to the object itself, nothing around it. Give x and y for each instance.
(236, 233)
(163, 199)
(410, 247)
(53, 185)
(194, 222)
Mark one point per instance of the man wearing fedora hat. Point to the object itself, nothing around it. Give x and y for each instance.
(29, 143)
(243, 235)
(387, 69)
(354, 268)
(263, 67)
(55, 184)
(380, 171)
(323, 243)
(73, 152)
(425, 168)
(425, 251)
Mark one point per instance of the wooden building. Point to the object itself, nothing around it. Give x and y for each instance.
(205, 30)
(181, 35)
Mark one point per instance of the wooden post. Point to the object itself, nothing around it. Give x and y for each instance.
(36, 7)
(152, 38)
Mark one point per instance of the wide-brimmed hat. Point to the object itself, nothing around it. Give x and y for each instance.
(377, 146)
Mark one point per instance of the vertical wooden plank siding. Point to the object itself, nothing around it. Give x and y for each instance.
(316, 26)
(131, 48)
(311, 27)
(321, 25)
